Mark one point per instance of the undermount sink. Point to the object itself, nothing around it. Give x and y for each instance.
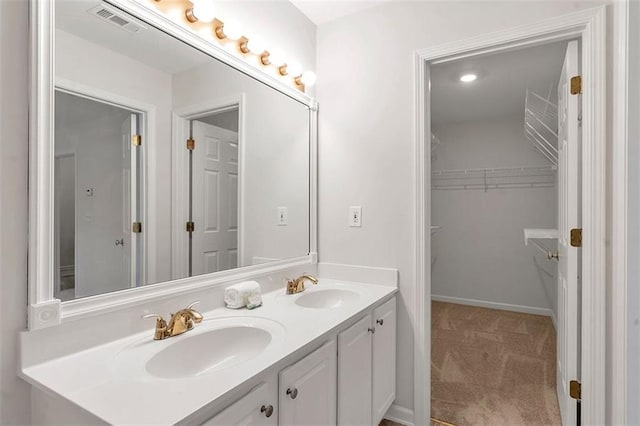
(324, 299)
(211, 346)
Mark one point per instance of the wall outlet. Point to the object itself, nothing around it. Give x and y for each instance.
(355, 216)
(283, 216)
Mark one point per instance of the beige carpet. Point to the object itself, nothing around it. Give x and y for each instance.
(492, 367)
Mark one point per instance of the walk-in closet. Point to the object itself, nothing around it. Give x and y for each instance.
(495, 191)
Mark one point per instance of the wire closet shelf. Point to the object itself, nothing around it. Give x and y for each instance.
(541, 125)
(495, 178)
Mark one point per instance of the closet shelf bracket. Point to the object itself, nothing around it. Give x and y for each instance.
(536, 235)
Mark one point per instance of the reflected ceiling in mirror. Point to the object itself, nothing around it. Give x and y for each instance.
(168, 163)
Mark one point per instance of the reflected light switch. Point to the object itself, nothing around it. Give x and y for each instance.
(283, 216)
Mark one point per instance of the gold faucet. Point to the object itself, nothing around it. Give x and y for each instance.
(297, 285)
(181, 321)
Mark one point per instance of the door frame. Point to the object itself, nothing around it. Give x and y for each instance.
(56, 233)
(180, 164)
(147, 114)
(624, 204)
(590, 27)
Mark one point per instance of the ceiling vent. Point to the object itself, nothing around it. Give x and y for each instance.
(117, 18)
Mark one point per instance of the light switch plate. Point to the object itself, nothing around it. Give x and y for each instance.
(283, 216)
(355, 216)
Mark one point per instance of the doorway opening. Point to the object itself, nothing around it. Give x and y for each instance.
(588, 27)
(499, 182)
(98, 171)
(498, 281)
(213, 204)
(208, 183)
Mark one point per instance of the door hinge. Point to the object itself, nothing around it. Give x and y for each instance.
(576, 85)
(136, 227)
(191, 144)
(575, 389)
(576, 237)
(136, 140)
(191, 226)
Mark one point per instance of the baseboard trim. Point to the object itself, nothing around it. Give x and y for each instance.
(495, 305)
(554, 320)
(400, 414)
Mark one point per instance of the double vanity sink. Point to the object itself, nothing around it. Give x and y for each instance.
(141, 380)
(219, 343)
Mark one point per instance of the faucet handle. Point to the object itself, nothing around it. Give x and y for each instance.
(192, 304)
(161, 326)
(152, 316)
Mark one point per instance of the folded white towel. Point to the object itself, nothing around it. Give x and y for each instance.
(236, 296)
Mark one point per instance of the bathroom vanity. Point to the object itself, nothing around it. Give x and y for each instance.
(323, 356)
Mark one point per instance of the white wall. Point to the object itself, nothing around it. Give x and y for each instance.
(275, 167)
(109, 71)
(14, 393)
(480, 252)
(365, 89)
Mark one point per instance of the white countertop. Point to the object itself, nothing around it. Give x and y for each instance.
(98, 381)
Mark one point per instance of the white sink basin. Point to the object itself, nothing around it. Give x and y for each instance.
(208, 351)
(211, 346)
(324, 299)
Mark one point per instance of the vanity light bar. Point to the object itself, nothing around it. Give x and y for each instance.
(201, 13)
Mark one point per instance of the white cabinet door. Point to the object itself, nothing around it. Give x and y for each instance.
(307, 391)
(384, 359)
(354, 374)
(258, 407)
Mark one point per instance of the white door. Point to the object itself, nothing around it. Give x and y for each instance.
(354, 374)
(129, 241)
(257, 408)
(307, 389)
(215, 199)
(384, 359)
(568, 350)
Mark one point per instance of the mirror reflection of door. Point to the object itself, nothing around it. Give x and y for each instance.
(102, 191)
(214, 192)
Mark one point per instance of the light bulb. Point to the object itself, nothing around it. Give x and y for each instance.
(232, 30)
(203, 10)
(308, 78)
(468, 78)
(294, 69)
(256, 44)
(276, 57)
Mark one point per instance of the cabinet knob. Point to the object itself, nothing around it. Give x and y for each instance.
(371, 330)
(380, 321)
(267, 410)
(293, 393)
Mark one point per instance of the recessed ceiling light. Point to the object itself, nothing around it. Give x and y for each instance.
(468, 78)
